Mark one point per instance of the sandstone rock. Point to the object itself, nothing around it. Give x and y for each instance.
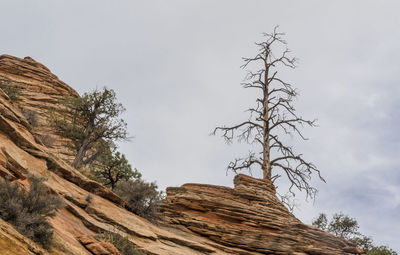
(13, 243)
(249, 217)
(39, 91)
(97, 247)
(6, 174)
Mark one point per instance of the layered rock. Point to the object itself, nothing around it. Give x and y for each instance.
(249, 217)
(39, 90)
(202, 219)
(12, 242)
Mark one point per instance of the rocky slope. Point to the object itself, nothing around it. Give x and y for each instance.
(249, 216)
(200, 219)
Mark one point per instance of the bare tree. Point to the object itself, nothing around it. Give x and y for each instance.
(273, 116)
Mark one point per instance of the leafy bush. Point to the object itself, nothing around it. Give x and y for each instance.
(121, 243)
(28, 211)
(142, 198)
(13, 92)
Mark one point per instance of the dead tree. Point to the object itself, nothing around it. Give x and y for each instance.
(273, 116)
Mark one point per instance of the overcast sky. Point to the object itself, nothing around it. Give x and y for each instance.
(175, 67)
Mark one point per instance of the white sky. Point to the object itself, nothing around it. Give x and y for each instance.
(175, 66)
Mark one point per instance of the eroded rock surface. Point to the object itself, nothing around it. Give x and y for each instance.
(249, 217)
(203, 219)
(13, 243)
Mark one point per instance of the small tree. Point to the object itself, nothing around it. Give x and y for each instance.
(112, 167)
(90, 123)
(381, 250)
(321, 222)
(340, 225)
(273, 115)
(347, 228)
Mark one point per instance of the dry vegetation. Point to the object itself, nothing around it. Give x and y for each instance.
(28, 210)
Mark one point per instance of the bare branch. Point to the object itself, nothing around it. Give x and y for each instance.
(244, 163)
(228, 132)
(274, 112)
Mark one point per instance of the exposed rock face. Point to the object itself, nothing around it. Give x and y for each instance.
(97, 247)
(249, 217)
(12, 242)
(39, 90)
(204, 219)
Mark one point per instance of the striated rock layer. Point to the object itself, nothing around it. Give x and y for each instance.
(202, 219)
(249, 217)
(39, 90)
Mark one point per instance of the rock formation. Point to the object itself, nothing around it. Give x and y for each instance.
(199, 219)
(249, 217)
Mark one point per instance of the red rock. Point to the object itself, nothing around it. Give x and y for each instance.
(249, 217)
(6, 174)
(98, 247)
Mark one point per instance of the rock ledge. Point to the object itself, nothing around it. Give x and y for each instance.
(248, 217)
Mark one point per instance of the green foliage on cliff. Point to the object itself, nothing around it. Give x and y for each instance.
(90, 123)
(12, 92)
(346, 227)
(111, 167)
(142, 197)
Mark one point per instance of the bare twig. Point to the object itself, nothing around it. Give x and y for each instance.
(274, 113)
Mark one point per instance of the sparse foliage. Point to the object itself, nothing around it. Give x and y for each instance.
(111, 167)
(321, 222)
(381, 250)
(28, 212)
(13, 92)
(273, 115)
(121, 243)
(343, 226)
(142, 198)
(346, 227)
(47, 139)
(88, 200)
(31, 117)
(91, 123)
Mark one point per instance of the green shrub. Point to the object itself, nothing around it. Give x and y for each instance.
(381, 250)
(121, 243)
(28, 211)
(346, 227)
(12, 92)
(142, 198)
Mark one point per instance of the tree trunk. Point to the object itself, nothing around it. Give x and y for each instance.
(81, 154)
(84, 147)
(266, 167)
